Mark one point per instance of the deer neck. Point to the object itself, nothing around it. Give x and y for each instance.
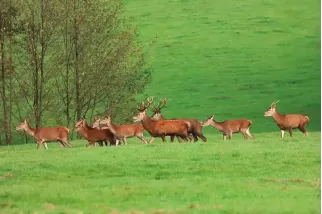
(217, 125)
(30, 130)
(277, 117)
(161, 117)
(84, 130)
(147, 123)
(112, 127)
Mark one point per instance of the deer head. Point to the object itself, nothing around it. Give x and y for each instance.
(79, 124)
(107, 121)
(157, 109)
(208, 121)
(142, 109)
(96, 122)
(23, 125)
(271, 110)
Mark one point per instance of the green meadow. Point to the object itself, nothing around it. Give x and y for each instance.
(233, 58)
(265, 175)
(228, 58)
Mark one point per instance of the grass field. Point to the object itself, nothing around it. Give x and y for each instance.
(266, 175)
(228, 58)
(233, 58)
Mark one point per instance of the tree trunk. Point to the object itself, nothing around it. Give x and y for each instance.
(77, 84)
(67, 68)
(10, 76)
(34, 64)
(3, 81)
(42, 55)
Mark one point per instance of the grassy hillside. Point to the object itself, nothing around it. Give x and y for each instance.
(266, 175)
(233, 58)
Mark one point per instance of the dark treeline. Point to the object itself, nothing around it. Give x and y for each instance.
(64, 59)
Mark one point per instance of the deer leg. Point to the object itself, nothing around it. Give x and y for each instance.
(303, 130)
(243, 131)
(230, 135)
(100, 143)
(249, 134)
(202, 137)
(38, 144)
(290, 131)
(124, 141)
(224, 136)
(194, 136)
(151, 139)
(45, 145)
(180, 139)
(61, 144)
(89, 143)
(141, 137)
(66, 141)
(172, 138)
(282, 133)
(163, 139)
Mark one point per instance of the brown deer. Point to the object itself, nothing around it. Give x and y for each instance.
(287, 121)
(161, 128)
(228, 127)
(196, 127)
(99, 142)
(46, 134)
(92, 134)
(123, 131)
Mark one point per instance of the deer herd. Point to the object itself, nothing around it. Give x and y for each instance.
(104, 130)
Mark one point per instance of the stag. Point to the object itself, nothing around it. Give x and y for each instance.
(196, 128)
(94, 122)
(228, 127)
(92, 134)
(287, 121)
(161, 128)
(46, 134)
(123, 131)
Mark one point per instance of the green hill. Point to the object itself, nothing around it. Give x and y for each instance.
(233, 58)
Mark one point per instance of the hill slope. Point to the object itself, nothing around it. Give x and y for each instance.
(233, 58)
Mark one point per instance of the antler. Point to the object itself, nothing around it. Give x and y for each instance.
(274, 103)
(160, 106)
(142, 107)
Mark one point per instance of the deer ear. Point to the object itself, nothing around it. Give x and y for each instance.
(212, 116)
(25, 120)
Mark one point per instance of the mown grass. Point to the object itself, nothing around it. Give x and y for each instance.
(266, 175)
(233, 58)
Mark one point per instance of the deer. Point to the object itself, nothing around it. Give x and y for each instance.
(99, 142)
(196, 127)
(92, 134)
(228, 127)
(160, 128)
(123, 131)
(46, 134)
(287, 121)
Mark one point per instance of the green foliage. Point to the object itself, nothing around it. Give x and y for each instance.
(266, 175)
(74, 58)
(233, 58)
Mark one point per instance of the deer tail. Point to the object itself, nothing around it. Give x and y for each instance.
(308, 119)
(250, 122)
(67, 129)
